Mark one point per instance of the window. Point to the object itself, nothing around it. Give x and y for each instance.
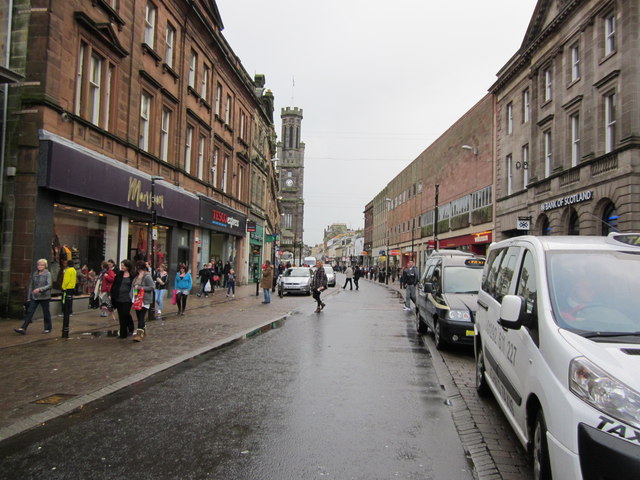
(187, 149)
(525, 165)
(610, 123)
(243, 119)
(205, 81)
(95, 80)
(527, 288)
(575, 139)
(547, 153)
(214, 167)
(164, 134)
(145, 115)
(94, 83)
(170, 38)
(609, 219)
(574, 223)
(526, 106)
(218, 99)
(545, 227)
(509, 174)
(575, 63)
(201, 145)
(227, 112)
(240, 192)
(150, 24)
(225, 166)
(193, 65)
(509, 118)
(609, 34)
(548, 83)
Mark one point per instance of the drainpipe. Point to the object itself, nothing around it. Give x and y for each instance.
(5, 100)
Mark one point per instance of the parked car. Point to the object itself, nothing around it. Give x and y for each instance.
(446, 297)
(558, 344)
(331, 275)
(295, 280)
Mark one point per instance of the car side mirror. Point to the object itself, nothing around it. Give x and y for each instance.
(428, 287)
(512, 312)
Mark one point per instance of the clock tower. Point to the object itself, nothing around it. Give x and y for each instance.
(291, 156)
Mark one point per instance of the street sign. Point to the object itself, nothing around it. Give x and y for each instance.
(524, 223)
(154, 233)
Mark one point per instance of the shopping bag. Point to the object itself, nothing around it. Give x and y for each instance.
(139, 301)
(174, 297)
(216, 278)
(207, 287)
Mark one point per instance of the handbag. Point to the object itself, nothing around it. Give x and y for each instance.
(174, 297)
(207, 287)
(139, 301)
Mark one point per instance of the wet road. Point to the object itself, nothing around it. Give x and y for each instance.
(347, 394)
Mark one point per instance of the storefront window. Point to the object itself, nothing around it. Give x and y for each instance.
(610, 220)
(85, 236)
(140, 246)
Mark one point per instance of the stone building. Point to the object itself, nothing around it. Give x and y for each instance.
(127, 108)
(568, 122)
(291, 170)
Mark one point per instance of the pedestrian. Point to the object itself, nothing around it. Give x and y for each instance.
(183, 284)
(121, 297)
(349, 279)
(69, 281)
(160, 278)
(408, 281)
(267, 281)
(319, 284)
(39, 294)
(231, 283)
(225, 273)
(357, 273)
(107, 277)
(141, 282)
(206, 281)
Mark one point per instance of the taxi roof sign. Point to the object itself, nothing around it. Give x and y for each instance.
(474, 262)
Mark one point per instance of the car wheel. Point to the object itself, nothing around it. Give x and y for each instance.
(482, 388)
(540, 450)
(421, 327)
(437, 335)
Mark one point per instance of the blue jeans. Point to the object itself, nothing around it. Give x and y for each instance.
(160, 294)
(410, 295)
(231, 287)
(31, 309)
(267, 295)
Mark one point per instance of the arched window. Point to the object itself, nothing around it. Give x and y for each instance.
(545, 227)
(291, 137)
(609, 219)
(574, 223)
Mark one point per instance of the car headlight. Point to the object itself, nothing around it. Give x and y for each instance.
(604, 392)
(459, 315)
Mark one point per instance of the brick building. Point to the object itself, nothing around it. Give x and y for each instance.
(116, 95)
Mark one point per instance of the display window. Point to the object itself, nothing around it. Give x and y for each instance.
(139, 244)
(85, 236)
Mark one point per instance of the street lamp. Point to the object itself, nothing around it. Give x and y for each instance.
(388, 202)
(435, 224)
(154, 237)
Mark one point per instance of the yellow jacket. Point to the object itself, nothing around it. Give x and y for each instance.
(69, 279)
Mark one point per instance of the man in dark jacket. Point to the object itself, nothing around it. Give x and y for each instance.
(357, 273)
(205, 276)
(319, 284)
(408, 281)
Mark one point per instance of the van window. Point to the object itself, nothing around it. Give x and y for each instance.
(505, 274)
(527, 287)
(491, 271)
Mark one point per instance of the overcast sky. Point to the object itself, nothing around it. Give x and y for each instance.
(378, 81)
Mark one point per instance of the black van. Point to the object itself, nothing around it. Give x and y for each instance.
(447, 296)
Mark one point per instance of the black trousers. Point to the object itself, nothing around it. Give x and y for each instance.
(350, 282)
(124, 316)
(316, 296)
(67, 309)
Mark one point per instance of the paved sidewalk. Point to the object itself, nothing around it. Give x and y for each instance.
(93, 362)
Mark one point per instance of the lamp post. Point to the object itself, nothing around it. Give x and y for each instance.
(387, 202)
(154, 237)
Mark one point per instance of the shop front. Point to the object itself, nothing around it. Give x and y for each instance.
(92, 208)
(256, 240)
(476, 243)
(222, 231)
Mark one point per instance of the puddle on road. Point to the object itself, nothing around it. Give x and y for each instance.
(266, 328)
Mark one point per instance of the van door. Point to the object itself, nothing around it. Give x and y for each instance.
(498, 350)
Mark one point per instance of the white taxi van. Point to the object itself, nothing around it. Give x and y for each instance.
(558, 344)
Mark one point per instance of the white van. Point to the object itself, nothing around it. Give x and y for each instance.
(558, 344)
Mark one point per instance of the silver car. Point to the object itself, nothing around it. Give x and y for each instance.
(331, 275)
(295, 280)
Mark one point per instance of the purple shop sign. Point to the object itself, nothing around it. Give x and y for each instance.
(105, 180)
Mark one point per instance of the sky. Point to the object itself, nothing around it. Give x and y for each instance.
(378, 82)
